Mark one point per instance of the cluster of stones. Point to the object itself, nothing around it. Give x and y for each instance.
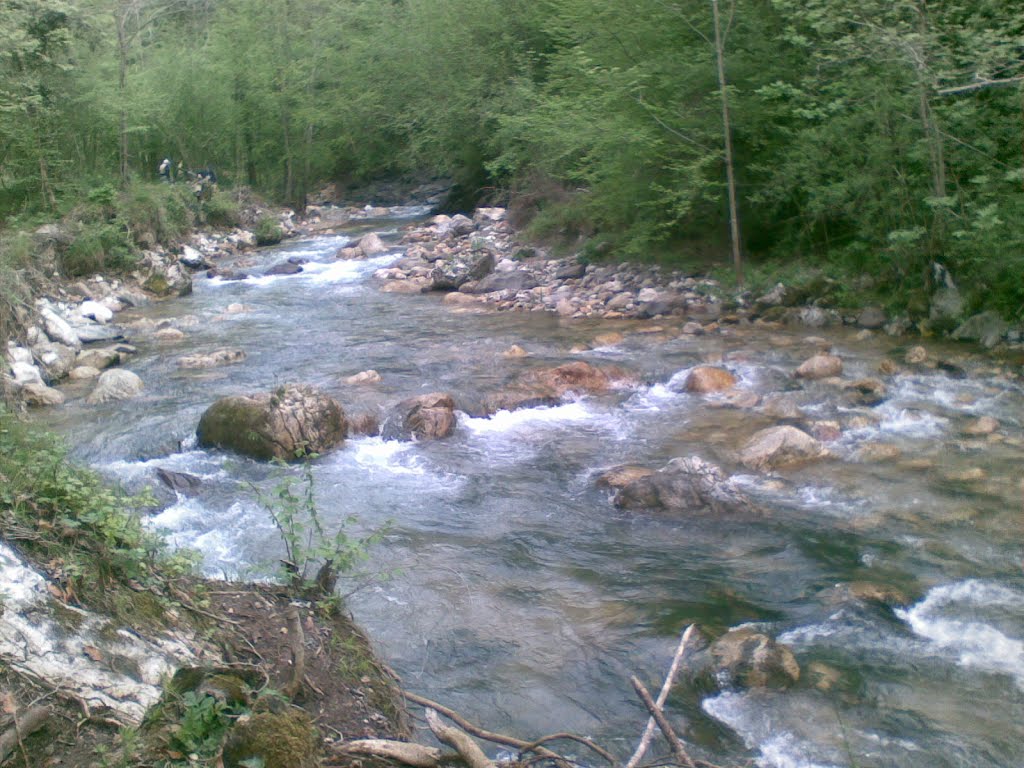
(72, 336)
(478, 261)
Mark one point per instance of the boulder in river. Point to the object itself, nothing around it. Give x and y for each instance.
(115, 384)
(987, 328)
(753, 660)
(284, 268)
(38, 394)
(781, 446)
(452, 274)
(212, 359)
(684, 484)
(820, 367)
(426, 417)
(179, 482)
(287, 423)
(364, 377)
(371, 245)
(705, 379)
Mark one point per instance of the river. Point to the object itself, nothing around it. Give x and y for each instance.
(510, 587)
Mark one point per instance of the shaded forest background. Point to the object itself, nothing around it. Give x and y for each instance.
(871, 137)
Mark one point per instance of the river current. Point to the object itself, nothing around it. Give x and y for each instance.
(511, 589)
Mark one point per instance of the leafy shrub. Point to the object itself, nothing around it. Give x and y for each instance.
(15, 292)
(156, 213)
(98, 247)
(221, 210)
(268, 231)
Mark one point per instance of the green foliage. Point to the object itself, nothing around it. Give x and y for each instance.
(221, 210)
(90, 533)
(156, 213)
(15, 290)
(268, 231)
(203, 723)
(98, 246)
(307, 541)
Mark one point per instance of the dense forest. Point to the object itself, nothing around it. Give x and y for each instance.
(868, 137)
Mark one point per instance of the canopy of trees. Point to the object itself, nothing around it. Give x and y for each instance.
(880, 135)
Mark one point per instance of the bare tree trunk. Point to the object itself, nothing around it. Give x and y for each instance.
(122, 86)
(734, 222)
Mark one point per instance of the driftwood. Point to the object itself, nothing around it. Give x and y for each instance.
(297, 641)
(678, 750)
(673, 670)
(404, 752)
(459, 740)
(23, 725)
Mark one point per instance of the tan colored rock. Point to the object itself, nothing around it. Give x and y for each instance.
(782, 446)
(83, 372)
(705, 379)
(426, 417)
(213, 359)
(888, 368)
(971, 475)
(115, 384)
(40, 395)
(985, 425)
(915, 356)
(364, 424)
(412, 286)
(822, 676)
(820, 367)
(877, 593)
(754, 660)
(826, 431)
(620, 477)
(169, 334)
(456, 299)
(873, 453)
(364, 377)
(608, 339)
(515, 351)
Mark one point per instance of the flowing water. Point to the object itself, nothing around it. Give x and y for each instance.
(519, 595)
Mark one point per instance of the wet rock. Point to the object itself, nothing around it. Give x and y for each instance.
(426, 417)
(515, 351)
(169, 334)
(916, 356)
(870, 592)
(753, 660)
(822, 676)
(55, 360)
(463, 300)
(782, 408)
(100, 358)
(40, 395)
(192, 258)
(970, 475)
(867, 392)
(349, 254)
(452, 274)
(705, 379)
(987, 328)
(693, 329)
(826, 431)
(985, 425)
(875, 453)
(364, 377)
(888, 368)
(212, 359)
(364, 424)
(578, 377)
(83, 373)
(951, 369)
(782, 446)
(684, 484)
(608, 339)
(371, 245)
(871, 317)
(287, 423)
(284, 268)
(273, 740)
(179, 482)
(820, 367)
(88, 334)
(622, 476)
(415, 285)
(115, 384)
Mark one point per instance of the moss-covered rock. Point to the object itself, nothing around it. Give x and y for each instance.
(281, 740)
(290, 422)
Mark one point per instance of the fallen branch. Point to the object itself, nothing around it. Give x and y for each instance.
(405, 752)
(480, 733)
(532, 746)
(678, 750)
(460, 741)
(673, 670)
(23, 725)
(297, 640)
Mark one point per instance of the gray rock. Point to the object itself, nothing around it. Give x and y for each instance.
(813, 317)
(503, 281)
(179, 482)
(90, 334)
(871, 317)
(115, 384)
(452, 274)
(779, 447)
(284, 268)
(26, 373)
(56, 360)
(571, 271)
(460, 225)
(41, 395)
(685, 484)
(987, 328)
(57, 328)
(371, 245)
(212, 359)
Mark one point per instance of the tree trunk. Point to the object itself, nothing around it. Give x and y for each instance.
(734, 222)
(122, 86)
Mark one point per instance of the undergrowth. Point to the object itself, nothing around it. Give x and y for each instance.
(86, 535)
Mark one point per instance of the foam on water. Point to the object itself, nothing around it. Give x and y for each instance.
(961, 620)
(203, 465)
(213, 533)
(511, 422)
(755, 722)
(378, 455)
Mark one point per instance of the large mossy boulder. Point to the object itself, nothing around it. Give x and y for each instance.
(273, 740)
(292, 421)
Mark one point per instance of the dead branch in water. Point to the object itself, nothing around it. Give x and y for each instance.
(678, 750)
(670, 678)
(459, 740)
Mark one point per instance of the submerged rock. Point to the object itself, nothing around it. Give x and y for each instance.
(753, 660)
(212, 359)
(820, 367)
(427, 417)
(779, 447)
(115, 384)
(288, 423)
(684, 484)
(705, 378)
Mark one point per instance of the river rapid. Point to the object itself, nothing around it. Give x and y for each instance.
(511, 588)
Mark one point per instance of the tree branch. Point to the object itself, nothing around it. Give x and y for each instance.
(980, 85)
